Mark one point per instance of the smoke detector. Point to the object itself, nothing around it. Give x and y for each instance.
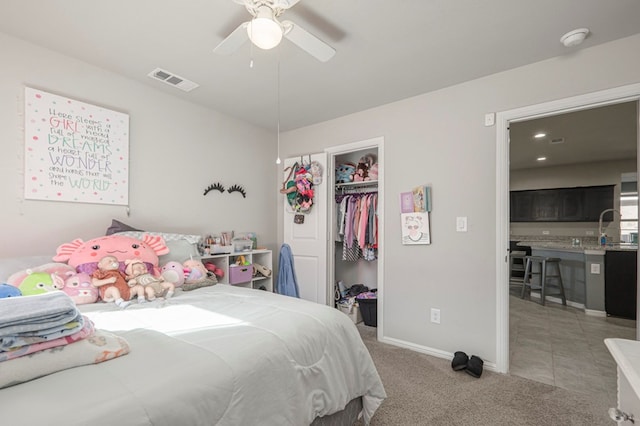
(173, 80)
(575, 37)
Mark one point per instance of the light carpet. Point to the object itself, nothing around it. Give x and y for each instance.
(424, 390)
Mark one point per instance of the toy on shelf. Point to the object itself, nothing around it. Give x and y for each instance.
(363, 168)
(345, 172)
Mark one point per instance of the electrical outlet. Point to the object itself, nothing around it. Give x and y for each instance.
(595, 268)
(589, 233)
(435, 316)
(545, 232)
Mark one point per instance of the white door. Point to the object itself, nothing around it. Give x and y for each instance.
(308, 240)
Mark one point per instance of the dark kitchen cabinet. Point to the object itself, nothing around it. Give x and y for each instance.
(546, 205)
(581, 204)
(572, 205)
(620, 278)
(598, 199)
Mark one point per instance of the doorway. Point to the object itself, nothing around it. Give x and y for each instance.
(367, 272)
(504, 120)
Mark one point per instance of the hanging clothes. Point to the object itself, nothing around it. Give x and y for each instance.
(357, 225)
(287, 283)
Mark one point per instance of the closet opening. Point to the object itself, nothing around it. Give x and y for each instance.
(355, 247)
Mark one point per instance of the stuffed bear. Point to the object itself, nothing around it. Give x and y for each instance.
(137, 274)
(344, 172)
(362, 173)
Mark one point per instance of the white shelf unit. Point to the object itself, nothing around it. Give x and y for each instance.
(225, 261)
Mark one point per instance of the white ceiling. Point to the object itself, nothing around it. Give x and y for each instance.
(386, 50)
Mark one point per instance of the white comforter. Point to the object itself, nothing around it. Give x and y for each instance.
(217, 355)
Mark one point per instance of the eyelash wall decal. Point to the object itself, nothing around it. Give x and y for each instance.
(217, 186)
(237, 188)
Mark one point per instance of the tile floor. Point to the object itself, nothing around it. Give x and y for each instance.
(562, 346)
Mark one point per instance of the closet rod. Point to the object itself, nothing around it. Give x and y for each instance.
(369, 191)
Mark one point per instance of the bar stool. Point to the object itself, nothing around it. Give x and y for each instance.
(517, 261)
(546, 276)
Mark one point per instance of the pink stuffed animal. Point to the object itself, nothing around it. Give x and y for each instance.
(174, 272)
(197, 271)
(79, 288)
(84, 256)
(373, 172)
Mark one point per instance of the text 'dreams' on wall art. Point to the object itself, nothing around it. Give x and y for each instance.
(75, 151)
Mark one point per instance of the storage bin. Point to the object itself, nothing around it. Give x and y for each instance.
(242, 245)
(218, 249)
(369, 309)
(240, 273)
(351, 311)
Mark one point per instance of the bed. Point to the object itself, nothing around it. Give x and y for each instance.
(218, 355)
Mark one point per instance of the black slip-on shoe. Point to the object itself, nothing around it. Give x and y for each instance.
(474, 366)
(460, 360)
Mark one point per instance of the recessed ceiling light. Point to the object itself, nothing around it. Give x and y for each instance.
(539, 135)
(541, 158)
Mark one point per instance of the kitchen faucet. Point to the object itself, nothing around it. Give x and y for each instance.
(600, 221)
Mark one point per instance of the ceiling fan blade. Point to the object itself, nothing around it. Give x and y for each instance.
(308, 42)
(233, 41)
(284, 4)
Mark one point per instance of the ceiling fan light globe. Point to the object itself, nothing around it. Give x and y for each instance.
(264, 33)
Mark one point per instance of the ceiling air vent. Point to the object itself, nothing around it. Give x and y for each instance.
(173, 80)
(556, 141)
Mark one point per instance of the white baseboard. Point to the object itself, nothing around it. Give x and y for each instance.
(559, 300)
(491, 366)
(594, 313)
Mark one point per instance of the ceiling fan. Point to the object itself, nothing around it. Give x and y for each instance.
(265, 31)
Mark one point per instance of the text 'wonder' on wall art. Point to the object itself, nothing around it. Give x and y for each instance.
(75, 151)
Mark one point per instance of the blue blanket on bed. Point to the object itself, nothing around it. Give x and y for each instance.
(31, 315)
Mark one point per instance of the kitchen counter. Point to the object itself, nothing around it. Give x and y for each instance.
(550, 245)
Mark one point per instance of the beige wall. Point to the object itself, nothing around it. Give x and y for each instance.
(440, 138)
(177, 149)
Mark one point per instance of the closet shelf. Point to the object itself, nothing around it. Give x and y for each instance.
(363, 184)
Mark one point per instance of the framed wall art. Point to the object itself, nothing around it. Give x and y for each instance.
(74, 151)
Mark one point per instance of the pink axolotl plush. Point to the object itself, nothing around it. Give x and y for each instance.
(84, 256)
(79, 288)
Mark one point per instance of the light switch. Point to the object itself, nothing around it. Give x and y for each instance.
(461, 224)
(595, 268)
